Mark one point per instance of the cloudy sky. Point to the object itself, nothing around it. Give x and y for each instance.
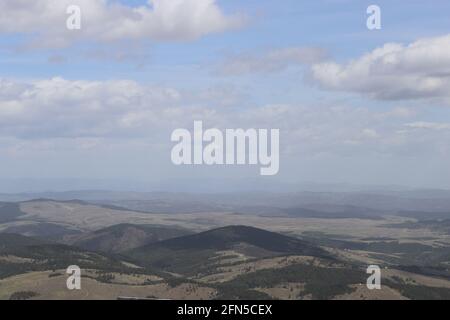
(96, 106)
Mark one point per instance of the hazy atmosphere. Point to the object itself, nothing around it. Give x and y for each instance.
(88, 108)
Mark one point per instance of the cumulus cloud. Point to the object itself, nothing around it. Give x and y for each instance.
(393, 72)
(59, 114)
(117, 109)
(57, 107)
(45, 20)
(272, 61)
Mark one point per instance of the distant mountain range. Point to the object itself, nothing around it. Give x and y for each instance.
(380, 201)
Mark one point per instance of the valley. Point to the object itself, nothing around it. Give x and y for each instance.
(218, 255)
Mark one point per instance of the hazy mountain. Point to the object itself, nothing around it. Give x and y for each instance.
(425, 215)
(163, 202)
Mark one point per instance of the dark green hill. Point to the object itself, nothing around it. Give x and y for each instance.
(20, 254)
(42, 230)
(195, 253)
(9, 212)
(10, 242)
(228, 237)
(123, 237)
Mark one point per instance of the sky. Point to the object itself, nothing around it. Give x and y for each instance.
(95, 107)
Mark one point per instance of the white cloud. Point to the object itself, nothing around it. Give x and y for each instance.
(45, 20)
(53, 114)
(272, 61)
(428, 125)
(60, 108)
(394, 71)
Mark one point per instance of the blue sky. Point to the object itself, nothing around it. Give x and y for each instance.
(338, 26)
(383, 120)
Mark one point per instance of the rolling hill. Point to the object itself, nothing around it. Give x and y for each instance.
(9, 212)
(20, 254)
(196, 253)
(11, 241)
(235, 262)
(123, 237)
(228, 237)
(42, 230)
